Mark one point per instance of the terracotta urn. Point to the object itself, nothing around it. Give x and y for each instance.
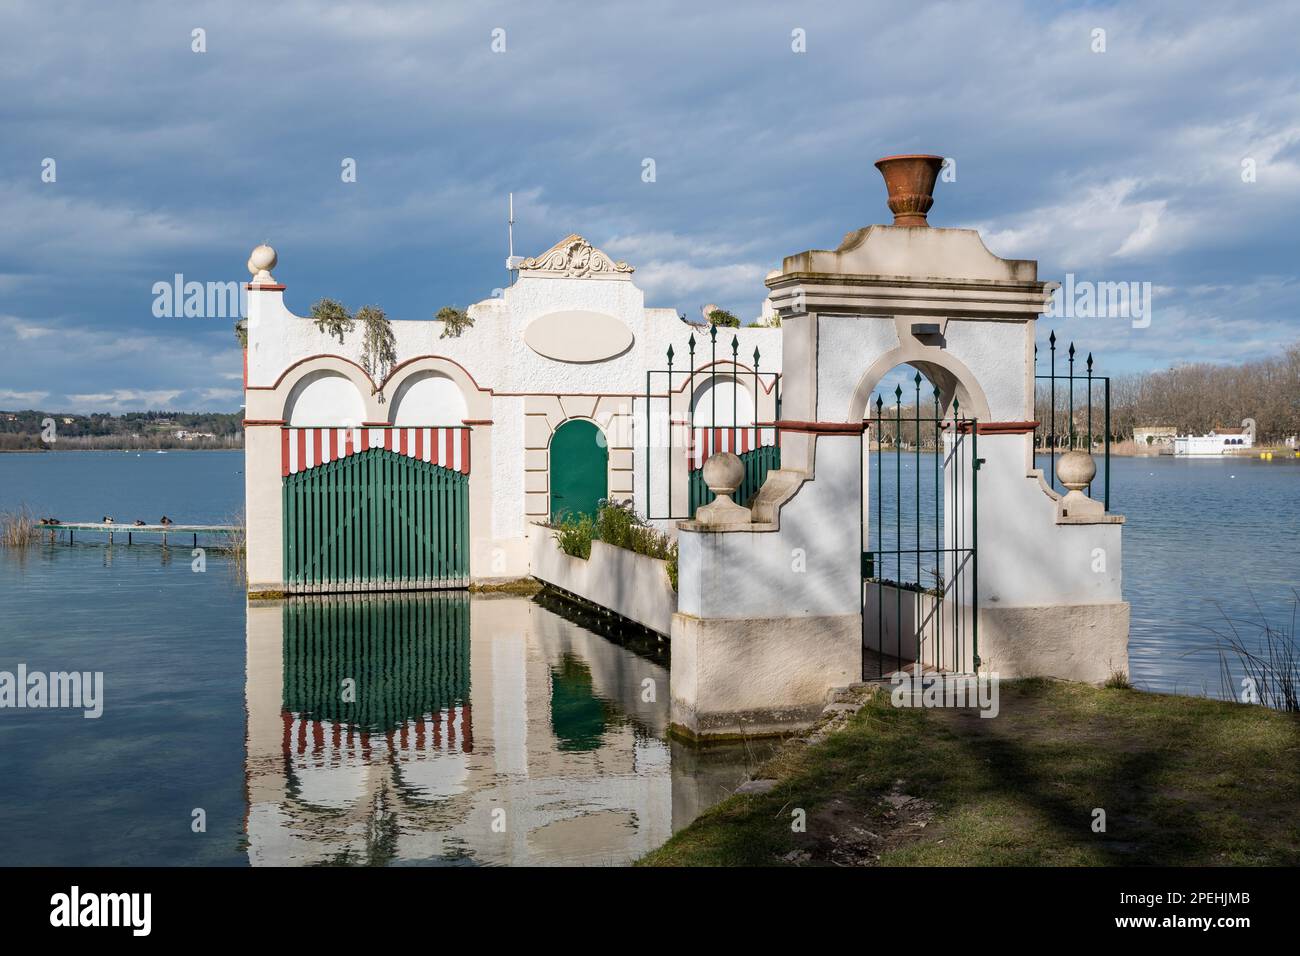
(910, 180)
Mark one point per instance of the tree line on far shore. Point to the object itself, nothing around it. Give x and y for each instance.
(1193, 399)
(30, 430)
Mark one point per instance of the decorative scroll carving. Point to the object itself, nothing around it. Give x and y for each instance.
(575, 258)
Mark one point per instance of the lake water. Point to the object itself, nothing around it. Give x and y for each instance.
(481, 730)
(495, 729)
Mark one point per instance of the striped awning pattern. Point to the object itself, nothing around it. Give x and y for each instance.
(330, 743)
(304, 448)
(737, 440)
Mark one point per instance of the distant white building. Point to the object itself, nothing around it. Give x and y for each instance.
(1219, 441)
(1155, 438)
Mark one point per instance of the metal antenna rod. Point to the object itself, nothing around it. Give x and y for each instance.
(510, 230)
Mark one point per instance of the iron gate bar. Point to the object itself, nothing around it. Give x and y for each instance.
(758, 461)
(939, 637)
(1051, 439)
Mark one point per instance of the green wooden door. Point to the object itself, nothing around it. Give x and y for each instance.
(579, 469)
(376, 520)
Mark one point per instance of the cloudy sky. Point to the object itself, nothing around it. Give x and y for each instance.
(1122, 165)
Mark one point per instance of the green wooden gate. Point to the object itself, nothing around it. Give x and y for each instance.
(376, 521)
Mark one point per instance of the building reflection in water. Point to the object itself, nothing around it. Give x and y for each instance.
(440, 727)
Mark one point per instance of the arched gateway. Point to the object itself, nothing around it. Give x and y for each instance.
(1017, 580)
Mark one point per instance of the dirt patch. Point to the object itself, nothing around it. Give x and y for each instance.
(841, 833)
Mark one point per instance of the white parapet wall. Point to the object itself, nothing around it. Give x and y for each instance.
(633, 586)
(769, 618)
(1050, 595)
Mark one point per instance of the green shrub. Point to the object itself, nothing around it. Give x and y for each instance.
(724, 319)
(619, 526)
(333, 318)
(574, 535)
(454, 321)
(378, 343)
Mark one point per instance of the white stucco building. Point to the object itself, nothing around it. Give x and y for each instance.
(1220, 441)
(568, 389)
(539, 408)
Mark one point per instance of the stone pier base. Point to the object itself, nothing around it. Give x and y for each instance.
(753, 677)
(1083, 642)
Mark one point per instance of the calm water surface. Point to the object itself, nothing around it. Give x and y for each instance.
(480, 730)
(477, 730)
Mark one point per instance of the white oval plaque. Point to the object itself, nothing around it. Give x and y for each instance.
(577, 336)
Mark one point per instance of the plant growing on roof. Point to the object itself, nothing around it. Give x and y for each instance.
(454, 321)
(378, 344)
(723, 319)
(331, 317)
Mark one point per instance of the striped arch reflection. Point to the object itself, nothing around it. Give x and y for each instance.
(362, 745)
(367, 677)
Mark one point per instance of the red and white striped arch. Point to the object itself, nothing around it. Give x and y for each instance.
(304, 448)
(737, 440)
(329, 743)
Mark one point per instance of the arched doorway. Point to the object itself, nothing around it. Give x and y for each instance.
(579, 469)
(918, 522)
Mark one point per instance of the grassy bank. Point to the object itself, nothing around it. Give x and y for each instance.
(1182, 781)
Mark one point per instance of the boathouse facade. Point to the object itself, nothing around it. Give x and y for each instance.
(434, 476)
(831, 525)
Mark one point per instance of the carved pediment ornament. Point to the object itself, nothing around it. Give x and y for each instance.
(574, 258)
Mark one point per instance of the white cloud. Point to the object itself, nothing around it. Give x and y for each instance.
(12, 399)
(126, 399)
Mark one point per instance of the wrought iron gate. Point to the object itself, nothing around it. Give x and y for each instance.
(1066, 408)
(386, 518)
(683, 430)
(920, 565)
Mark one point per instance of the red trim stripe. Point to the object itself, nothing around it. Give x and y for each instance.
(313, 447)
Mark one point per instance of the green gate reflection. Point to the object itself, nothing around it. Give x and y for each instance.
(377, 663)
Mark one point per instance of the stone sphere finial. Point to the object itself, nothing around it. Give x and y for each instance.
(260, 263)
(1076, 469)
(723, 473)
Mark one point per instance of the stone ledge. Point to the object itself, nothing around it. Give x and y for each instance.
(1090, 519)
